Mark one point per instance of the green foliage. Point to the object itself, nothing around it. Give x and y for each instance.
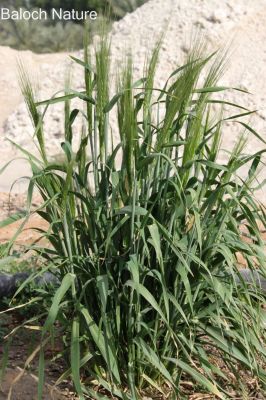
(41, 36)
(47, 36)
(49, 4)
(78, 5)
(144, 236)
(121, 7)
(118, 7)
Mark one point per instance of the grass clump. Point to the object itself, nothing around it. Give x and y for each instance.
(144, 234)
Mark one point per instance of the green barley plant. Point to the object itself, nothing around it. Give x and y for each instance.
(144, 233)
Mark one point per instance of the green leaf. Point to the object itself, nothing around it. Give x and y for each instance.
(227, 345)
(73, 116)
(201, 379)
(108, 107)
(211, 89)
(82, 63)
(144, 292)
(67, 282)
(156, 241)
(75, 357)
(57, 99)
(255, 133)
(99, 341)
(152, 357)
(129, 210)
(74, 94)
(102, 285)
(13, 218)
(177, 143)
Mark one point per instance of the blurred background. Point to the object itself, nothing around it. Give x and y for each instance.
(49, 36)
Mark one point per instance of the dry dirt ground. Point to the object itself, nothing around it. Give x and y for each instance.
(10, 205)
(26, 387)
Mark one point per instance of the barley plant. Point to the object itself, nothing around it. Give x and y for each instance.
(144, 234)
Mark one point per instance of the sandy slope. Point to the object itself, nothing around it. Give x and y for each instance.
(10, 99)
(244, 21)
(10, 95)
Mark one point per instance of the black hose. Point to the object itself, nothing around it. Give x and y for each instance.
(10, 283)
(252, 277)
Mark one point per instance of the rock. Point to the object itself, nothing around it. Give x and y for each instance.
(252, 277)
(7, 285)
(10, 283)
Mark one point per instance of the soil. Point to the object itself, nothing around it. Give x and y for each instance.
(24, 383)
(11, 205)
(27, 388)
